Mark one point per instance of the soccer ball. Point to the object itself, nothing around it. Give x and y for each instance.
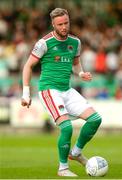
(96, 166)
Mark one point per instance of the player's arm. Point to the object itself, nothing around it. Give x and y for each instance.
(27, 71)
(77, 69)
(38, 51)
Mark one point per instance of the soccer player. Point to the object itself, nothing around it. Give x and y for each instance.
(59, 54)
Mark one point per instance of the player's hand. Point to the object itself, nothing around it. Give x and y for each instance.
(26, 102)
(86, 76)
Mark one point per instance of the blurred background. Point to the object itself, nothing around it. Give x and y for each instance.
(99, 26)
(27, 136)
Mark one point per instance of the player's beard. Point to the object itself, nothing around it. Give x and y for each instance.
(61, 35)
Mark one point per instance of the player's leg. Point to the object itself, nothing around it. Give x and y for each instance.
(78, 106)
(54, 104)
(93, 121)
(64, 143)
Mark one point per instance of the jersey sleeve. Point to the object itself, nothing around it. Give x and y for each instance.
(39, 49)
(78, 53)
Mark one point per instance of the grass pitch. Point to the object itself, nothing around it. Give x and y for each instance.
(36, 157)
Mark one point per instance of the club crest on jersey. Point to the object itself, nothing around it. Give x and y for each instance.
(70, 48)
(57, 58)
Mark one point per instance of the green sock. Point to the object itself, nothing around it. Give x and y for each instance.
(88, 130)
(64, 140)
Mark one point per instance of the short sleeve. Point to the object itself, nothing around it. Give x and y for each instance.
(39, 49)
(78, 48)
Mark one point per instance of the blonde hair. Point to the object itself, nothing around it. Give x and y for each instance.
(58, 12)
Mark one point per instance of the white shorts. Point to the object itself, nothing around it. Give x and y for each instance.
(59, 103)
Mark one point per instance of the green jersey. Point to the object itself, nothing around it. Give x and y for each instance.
(56, 57)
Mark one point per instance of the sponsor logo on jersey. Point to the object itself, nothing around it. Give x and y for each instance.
(65, 59)
(62, 59)
(57, 58)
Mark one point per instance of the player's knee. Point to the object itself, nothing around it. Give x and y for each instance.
(66, 128)
(95, 120)
(98, 120)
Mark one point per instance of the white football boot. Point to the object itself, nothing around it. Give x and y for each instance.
(66, 173)
(80, 158)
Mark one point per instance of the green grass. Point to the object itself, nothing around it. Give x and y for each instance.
(36, 157)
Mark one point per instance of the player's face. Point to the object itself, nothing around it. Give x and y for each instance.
(61, 25)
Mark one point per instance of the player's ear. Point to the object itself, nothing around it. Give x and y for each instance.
(52, 23)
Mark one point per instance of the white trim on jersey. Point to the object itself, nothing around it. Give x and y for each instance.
(62, 40)
(79, 49)
(48, 38)
(40, 48)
